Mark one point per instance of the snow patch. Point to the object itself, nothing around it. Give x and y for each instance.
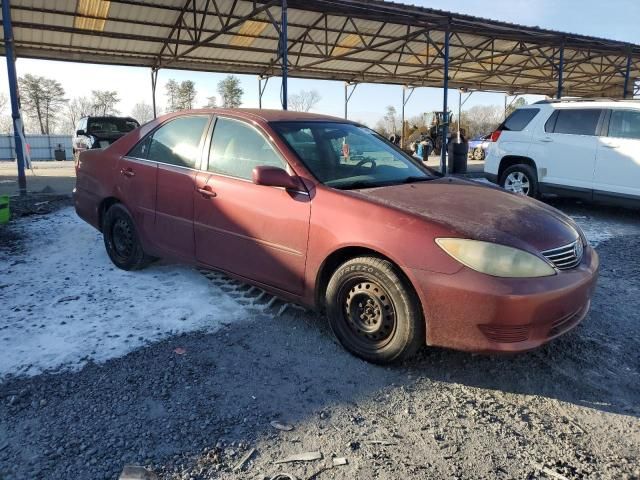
(63, 303)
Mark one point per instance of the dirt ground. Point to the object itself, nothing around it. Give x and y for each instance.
(195, 404)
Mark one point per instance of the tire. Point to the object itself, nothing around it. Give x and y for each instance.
(358, 293)
(121, 239)
(520, 179)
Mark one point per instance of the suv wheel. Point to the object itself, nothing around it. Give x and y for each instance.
(520, 179)
(478, 154)
(121, 239)
(373, 312)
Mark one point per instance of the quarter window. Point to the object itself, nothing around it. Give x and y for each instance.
(175, 143)
(519, 119)
(237, 148)
(583, 121)
(625, 124)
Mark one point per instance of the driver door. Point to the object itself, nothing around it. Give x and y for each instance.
(254, 231)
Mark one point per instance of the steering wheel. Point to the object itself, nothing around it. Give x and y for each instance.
(366, 160)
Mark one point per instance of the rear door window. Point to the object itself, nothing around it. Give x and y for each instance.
(577, 121)
(519, 119)
(625, 124)
(177, 142)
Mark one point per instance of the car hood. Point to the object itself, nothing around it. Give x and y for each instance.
(480, 212)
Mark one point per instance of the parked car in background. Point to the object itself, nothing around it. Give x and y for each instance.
(478, 147)
(583, 149)
(396, 255)
(100, 132)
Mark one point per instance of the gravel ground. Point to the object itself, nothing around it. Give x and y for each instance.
(192, 405)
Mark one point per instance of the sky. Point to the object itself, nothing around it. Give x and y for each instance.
(613, 19)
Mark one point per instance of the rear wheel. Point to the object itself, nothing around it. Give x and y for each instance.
(520, 179)
(373, 312)
(121, 239)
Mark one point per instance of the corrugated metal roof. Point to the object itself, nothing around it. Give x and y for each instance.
(351, 40)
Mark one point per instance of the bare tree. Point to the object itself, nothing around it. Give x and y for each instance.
(520, 102)
(4, 102)
(230, 92)
(77, 108)
(42, 99)
(212, 102)
(142, 112)
(173, 93)
(481, 119)
(104, 102)
(304, 101)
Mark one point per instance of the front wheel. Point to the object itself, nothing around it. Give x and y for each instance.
(121, 239)
(520, 179)
(373, 311)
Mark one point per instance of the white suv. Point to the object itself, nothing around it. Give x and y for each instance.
(584, 149)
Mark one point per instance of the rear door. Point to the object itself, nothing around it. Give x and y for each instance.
(136, 188)
(176, 147)
(567, 147)
(255, 231)
(618, 157)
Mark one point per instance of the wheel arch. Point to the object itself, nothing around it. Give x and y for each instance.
(345, 253)
(104, 205)
(511, 160)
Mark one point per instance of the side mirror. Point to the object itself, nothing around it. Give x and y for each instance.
(80, 133)
(275, 177)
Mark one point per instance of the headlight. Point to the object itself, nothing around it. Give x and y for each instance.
(494, 259)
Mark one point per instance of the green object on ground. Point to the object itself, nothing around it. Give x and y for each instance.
(4, 209)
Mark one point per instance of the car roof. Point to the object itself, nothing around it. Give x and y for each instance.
(269, 116)
(580, 103)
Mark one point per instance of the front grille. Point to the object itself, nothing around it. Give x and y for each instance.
(506, 333)
(566, 257)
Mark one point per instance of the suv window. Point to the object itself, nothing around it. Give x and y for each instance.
(577, 121)
(175, 143)
(236, 148)
(625, 124)
(519, 119)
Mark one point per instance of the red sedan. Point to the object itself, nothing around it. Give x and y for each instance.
(326, 213)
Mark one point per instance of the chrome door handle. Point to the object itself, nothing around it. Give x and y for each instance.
(546, 139)
(610, 146)
(207, 192)
(128, 172)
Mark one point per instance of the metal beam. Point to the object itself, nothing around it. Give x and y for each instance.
(261, 89)
(627, 77)
(347, 96)
(445, 107)
(560, 71)
(284, 54)
(18, 132)
(154, 83)
(405, 100)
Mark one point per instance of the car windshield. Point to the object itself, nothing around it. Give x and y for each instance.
(344, 155)
(111, 125)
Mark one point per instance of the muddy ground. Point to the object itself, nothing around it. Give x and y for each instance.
(192, 405)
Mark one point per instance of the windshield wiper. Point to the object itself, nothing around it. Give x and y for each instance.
(415, 179)
(356, 185)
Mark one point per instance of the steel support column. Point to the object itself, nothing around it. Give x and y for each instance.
(405, 100)
(154, 83)
(261, 89)
(627, 77)
(14, 94)
(560, 68)
(445, 106)
(283, 54)
(347, 96)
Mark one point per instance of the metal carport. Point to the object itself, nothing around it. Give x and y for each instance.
(354, 41)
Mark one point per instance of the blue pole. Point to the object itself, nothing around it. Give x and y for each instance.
(445, 108)
(627, 77)
(13, 92)
(283, 54)
(560, 72)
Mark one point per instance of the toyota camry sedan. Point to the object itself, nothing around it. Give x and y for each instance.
(328, 214)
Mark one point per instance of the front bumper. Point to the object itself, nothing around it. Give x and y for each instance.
(475, 312)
